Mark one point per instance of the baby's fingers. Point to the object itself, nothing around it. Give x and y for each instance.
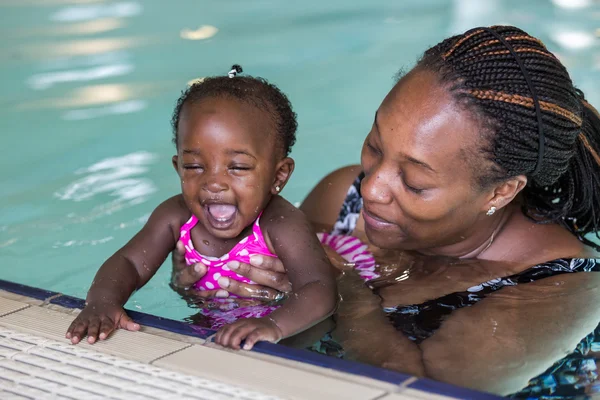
(77, 330)
(93, 329)
(239, 334)
(231, 335)
(259, 335)
(125, 322)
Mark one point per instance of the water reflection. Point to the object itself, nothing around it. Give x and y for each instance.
(46, 80)
(573, 4)
(116, 176)
(90, 96)
(91, 12)
(204, 32)
(124, 107)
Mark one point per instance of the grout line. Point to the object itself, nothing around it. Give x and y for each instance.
(151, 362)
(407, 382)
(49, 299)
(381, 396)
(209, 339)
(15, 311)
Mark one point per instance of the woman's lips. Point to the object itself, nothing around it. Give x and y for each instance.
(375, 221)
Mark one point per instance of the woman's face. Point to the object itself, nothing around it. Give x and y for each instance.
(418, 159)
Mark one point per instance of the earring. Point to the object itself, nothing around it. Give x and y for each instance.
(277, 188)
(491, 211)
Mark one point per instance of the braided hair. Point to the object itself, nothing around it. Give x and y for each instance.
(489, 71)
(255, 91)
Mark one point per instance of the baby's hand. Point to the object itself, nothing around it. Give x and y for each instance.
(251, 329)
(98, 321)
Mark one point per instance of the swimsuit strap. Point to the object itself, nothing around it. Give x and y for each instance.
(189, 224)
(258, 235)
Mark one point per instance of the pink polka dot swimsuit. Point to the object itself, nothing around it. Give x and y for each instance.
(250, 245)
(221, 312)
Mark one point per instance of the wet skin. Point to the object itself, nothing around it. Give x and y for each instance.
(428, 227)
(230, 165)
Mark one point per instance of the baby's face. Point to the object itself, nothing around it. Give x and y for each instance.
(227, 161)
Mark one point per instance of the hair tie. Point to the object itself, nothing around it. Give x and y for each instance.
(235, 69)
(536, 102)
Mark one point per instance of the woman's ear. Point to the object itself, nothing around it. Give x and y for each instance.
(283, 172)
(505, 192)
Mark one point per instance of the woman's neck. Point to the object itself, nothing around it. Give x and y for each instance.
(478, 241)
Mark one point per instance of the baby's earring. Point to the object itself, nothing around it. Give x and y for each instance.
(491, 211)
(277, 189)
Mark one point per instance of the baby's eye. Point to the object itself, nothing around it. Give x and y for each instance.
(192, 166)
(240, 167)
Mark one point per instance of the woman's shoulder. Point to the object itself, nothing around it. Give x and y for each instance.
(323, 203)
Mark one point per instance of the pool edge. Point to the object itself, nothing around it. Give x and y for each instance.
(387, 378)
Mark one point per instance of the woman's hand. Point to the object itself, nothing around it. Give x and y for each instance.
(267, 272)
(98, 321)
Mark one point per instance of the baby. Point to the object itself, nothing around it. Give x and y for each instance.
(233, 136)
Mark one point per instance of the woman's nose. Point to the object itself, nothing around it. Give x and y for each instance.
(374, 187)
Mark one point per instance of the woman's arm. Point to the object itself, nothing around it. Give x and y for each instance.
(496, 345)
(514, 334)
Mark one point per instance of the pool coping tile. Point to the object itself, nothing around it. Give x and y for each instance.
(269, 349)
(337, 364)
(446, 389)
(25, 290)
(141, 318)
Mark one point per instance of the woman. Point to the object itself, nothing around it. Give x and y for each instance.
(480, 186)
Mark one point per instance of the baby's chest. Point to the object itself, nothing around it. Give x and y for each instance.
(209, 246)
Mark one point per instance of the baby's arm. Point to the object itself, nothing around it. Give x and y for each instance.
(314, 295)
(130, 268)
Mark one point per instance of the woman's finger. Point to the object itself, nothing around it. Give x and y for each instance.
(268, 263)
(178, 256)
(241, 289)
(184, 278)
(262, 277)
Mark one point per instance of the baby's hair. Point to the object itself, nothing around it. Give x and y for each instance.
(253, 90)
(534, 122)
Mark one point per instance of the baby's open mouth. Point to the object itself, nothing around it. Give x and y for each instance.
(221, 216)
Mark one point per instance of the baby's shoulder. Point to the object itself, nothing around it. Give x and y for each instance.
(173, 211)
(280, 215)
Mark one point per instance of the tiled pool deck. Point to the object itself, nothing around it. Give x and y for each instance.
(167, 359)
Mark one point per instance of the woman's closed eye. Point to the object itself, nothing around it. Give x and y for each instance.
(413, 189)
(373, 149)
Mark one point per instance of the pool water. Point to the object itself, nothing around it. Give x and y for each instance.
(88, 87)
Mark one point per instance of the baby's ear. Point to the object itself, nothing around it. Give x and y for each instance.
(175, 160)
(283, 172)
